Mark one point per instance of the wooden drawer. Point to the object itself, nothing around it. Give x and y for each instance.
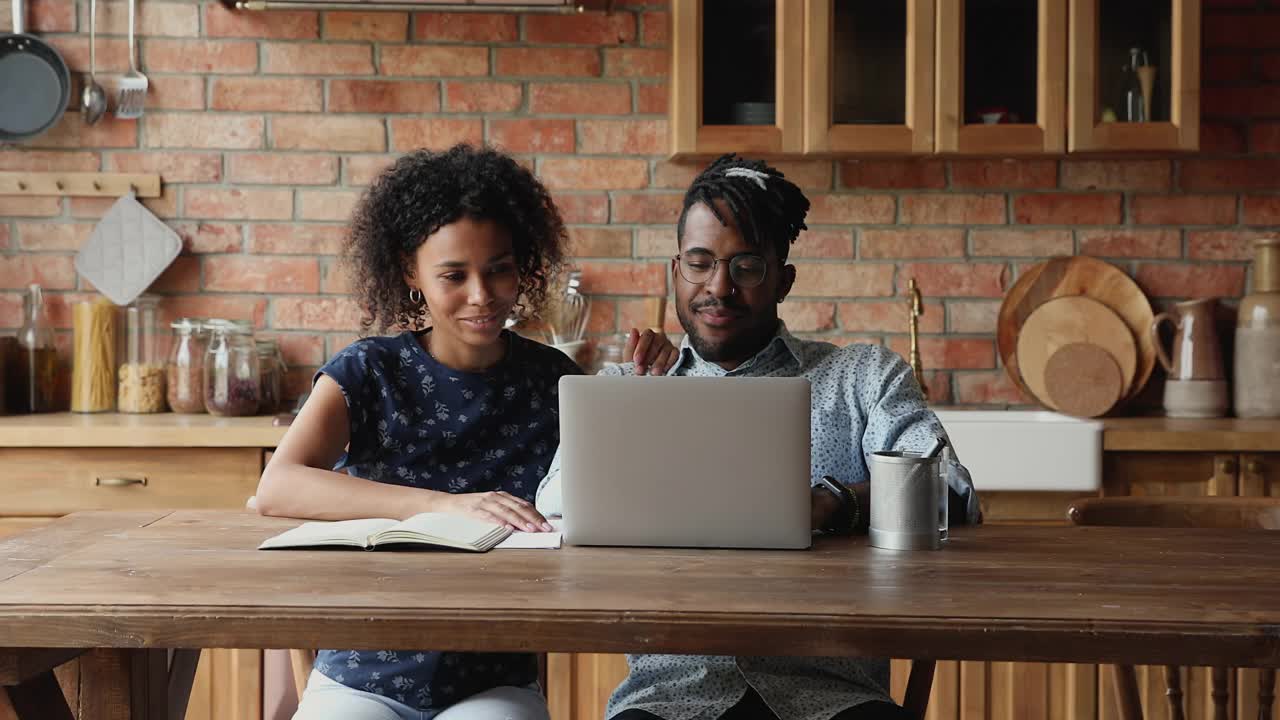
(51, 481)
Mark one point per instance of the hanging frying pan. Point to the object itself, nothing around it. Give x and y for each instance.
(34, 83)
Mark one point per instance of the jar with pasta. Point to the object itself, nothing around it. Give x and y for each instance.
(231, 375)
(93, 361)
(141, 374)
(271, 370)
(184, 373)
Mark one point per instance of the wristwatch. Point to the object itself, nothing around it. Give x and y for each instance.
(847, 518)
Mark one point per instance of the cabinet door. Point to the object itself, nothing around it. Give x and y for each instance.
(228, 686)
(1154, 474)
(737, 80)
(869, 76)
(579, 684)
(1156, 107)
(1001, 76)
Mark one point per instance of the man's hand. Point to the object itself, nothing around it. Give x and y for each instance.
(651, 351)
(824, 507)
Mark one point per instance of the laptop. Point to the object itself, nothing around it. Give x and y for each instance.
(685, 461)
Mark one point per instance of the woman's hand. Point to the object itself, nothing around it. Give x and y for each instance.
(495, 507)
(651, 351)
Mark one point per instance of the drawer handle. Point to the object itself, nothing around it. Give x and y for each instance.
(119, 481)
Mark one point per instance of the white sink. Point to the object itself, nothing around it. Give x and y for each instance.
(1026, 449)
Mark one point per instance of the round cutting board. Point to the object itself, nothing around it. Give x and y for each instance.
(1067, 276)
(1069, 320)
(1083, 380)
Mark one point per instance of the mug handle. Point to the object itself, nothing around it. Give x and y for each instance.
(1161, 354)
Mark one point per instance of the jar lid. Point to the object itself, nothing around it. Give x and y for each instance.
(230, 327)
(267, 346)
(188, 324)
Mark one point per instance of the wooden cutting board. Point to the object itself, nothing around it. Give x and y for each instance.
(1070, 320)
(1083, 380)
(1066, 276)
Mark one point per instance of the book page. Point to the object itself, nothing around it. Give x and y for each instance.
(531, 541)
(341, 532)
(443, 529)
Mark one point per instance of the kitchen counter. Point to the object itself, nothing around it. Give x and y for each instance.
(171, 430)
(1191, 435)
(160, 430)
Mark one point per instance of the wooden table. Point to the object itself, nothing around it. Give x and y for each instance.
(135, 581)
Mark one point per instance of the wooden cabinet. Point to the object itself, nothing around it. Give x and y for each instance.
(1001, 76)
(1103, 37)
(868, 76)
(994, 77)
(58, 464)
(736, 76)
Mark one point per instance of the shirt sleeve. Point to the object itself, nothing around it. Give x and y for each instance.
(899, 418)
(550, 498)
(351, 370)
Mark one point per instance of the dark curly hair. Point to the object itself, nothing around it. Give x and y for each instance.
(767, 207)
(422, 192)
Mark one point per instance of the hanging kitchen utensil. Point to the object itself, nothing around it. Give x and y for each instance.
(127, 251)
(93, 99)
(133, 84)
(35, 84)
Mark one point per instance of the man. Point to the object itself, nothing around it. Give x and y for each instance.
(738, 222)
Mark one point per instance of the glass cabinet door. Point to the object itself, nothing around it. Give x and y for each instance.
(737, 83)
(1135, 75)
(869, 76)
(1002, 76)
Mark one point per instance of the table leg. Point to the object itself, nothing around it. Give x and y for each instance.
(136, 683)
(39, 698)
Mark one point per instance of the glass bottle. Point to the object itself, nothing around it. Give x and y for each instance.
(231, 374)
(184, 373)
(141, 377)
(35, 370)
(1135, 106)
(271, 375)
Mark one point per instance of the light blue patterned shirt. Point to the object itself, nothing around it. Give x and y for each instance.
(865, 399)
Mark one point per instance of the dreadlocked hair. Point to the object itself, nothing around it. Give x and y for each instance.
(422, 192)
(766, 207)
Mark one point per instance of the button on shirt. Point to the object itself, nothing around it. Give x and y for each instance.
(864, 399)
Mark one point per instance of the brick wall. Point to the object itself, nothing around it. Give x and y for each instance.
(265, 127)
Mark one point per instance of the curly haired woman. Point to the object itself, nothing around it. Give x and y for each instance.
(460, 417)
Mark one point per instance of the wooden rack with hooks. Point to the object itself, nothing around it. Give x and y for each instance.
(80, 184)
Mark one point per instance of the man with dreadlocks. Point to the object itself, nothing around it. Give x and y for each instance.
(739, 220)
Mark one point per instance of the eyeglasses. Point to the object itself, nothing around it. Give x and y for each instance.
(746, 270)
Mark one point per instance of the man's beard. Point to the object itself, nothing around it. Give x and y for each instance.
(740, 346)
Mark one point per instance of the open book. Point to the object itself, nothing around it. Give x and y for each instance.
(430, 529)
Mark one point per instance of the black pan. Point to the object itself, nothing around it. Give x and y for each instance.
(34, 83)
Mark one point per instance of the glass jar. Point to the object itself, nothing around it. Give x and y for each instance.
(141, 374)
(93, 361)
(184, 374)
(231, 375)
(271, 369)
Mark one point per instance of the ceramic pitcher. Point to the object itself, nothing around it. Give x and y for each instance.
(1196, 353)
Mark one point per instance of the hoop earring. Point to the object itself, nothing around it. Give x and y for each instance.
(415, 300)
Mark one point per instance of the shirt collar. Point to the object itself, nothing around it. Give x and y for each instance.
(782, 340)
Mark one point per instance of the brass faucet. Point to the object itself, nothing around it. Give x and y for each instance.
(914, 311)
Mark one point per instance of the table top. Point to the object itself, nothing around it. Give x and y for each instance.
(1070, 594)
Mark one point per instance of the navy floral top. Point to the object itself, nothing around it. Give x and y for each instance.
(418, 423)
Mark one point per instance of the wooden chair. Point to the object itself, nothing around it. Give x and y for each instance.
(919, 682)
(1261, 513)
